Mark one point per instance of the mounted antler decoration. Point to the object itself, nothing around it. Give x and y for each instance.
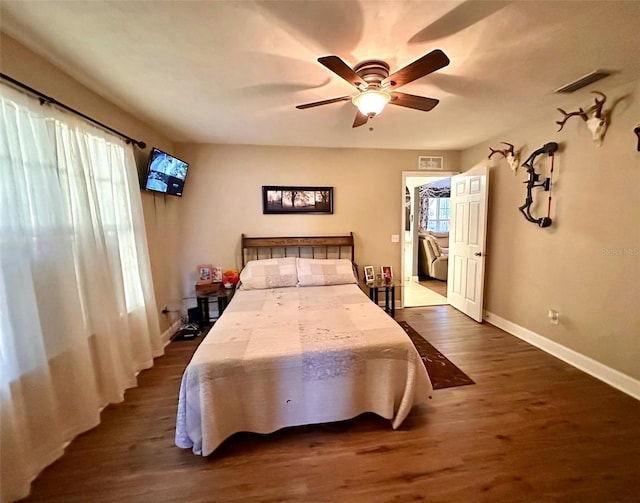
(509, 154)
(549, 149)
(596, 123)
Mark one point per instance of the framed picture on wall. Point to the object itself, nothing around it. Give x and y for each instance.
(288, 199)
(369, 274)
(204, 274)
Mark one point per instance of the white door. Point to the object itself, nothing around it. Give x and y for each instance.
(409, 249)
(465, 283)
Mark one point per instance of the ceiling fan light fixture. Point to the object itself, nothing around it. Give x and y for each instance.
(371, 103)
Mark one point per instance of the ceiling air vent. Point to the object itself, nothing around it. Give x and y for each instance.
(590, 78)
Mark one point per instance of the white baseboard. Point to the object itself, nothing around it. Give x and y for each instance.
(166, 335)
(612, 377)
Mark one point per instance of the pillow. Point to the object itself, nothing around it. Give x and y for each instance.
(437, 251)
(320, 272)
(269, 273)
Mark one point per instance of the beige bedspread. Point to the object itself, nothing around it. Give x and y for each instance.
(292, 356)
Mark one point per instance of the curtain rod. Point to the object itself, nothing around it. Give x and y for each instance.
(48, 99)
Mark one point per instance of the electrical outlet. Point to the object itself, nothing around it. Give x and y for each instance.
(554, 317)
(395, 238)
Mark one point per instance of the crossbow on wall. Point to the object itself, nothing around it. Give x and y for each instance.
(549, 149)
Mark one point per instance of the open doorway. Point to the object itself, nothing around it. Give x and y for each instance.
(426, 215)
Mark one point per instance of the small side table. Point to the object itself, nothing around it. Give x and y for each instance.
(388, 288)
(208, 292)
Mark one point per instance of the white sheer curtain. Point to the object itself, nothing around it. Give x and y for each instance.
(77, 311)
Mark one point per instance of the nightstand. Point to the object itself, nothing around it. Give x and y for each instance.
(212, 291)
(388, 289)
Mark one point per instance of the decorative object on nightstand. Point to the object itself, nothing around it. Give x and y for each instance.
(216, 274)
(387, 272)
(369, 274)
(204, 273)
(230, 278)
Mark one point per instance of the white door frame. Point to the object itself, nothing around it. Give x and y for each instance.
(414, 174)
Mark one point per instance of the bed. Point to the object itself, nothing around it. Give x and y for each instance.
(299, 343)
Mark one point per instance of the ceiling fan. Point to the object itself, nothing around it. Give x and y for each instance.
(376, 87)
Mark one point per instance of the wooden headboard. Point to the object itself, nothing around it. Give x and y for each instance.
(311, 246)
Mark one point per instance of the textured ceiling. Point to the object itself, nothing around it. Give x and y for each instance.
(233, 71)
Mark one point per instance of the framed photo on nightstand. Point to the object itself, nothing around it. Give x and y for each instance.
(204, 273)
(369, 273)
(387, 272)
(216, 274)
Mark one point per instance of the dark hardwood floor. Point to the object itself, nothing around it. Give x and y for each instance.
(531, 429)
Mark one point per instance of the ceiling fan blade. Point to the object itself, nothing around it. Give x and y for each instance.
(360, 120)
(419, 68)
(323, 102)
(411, 101)
(340, 68)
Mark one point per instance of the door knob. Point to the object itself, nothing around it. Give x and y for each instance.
(478, 254)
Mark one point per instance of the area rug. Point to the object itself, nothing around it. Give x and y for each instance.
(442, 372)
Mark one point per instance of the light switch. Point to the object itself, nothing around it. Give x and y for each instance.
(395, 238)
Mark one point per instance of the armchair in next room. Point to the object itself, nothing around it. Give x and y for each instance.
(432, 259)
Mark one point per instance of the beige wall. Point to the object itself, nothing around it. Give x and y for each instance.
(586, 265)
(578, 267)
(161, 217)
(223, 199)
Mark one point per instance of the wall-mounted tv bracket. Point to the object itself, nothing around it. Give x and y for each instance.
(531, 183)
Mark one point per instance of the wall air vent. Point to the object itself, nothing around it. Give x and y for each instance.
(430, 163)
(590, 78)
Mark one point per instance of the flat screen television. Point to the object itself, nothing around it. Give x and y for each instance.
(165, 173)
